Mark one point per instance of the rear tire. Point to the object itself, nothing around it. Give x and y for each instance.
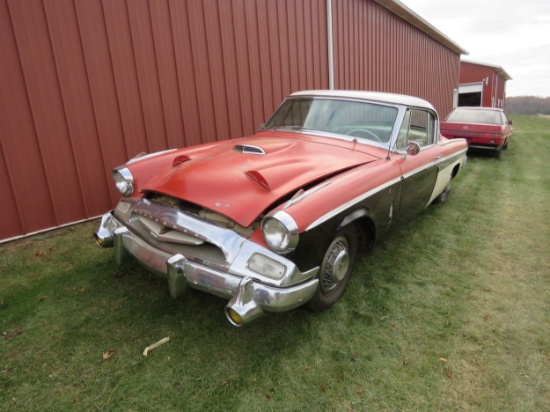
(335, 269)
(443, 196)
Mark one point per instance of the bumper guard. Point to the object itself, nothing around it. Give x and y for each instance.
(248, 297)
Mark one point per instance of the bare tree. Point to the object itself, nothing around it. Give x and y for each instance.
(528, 105)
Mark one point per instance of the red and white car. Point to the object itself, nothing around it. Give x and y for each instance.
(275, 220)
(483, 128)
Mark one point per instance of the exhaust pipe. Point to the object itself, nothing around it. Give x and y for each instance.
(242, 308)
(104, 234)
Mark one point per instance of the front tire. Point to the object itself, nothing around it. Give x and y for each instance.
(335, 270)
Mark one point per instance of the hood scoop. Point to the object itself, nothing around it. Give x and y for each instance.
(249, 149)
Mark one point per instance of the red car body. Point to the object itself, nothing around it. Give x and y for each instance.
(275, 220)
(483, 128)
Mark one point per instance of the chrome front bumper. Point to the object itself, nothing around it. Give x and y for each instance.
(249, 298)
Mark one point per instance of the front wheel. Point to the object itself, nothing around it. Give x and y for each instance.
(336, 268)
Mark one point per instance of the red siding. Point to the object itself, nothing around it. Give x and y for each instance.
(494, 84)
(375, 49)
(87, 84)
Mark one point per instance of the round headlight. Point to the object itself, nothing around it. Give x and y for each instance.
(124, 181)
(280, 232)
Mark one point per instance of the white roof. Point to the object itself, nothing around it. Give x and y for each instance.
(391, 98)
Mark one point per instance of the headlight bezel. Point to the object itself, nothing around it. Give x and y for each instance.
(280, 232)
(124, 181)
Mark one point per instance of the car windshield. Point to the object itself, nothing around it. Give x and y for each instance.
(475, 116)
(366, 121)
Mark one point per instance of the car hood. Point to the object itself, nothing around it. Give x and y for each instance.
(242, 178)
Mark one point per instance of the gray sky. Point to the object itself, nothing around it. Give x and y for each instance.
(513, 34)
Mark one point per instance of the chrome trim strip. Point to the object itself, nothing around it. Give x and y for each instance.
(364, 196)
(306, 194)
(432, 163)
(148, 156)
(351, 203)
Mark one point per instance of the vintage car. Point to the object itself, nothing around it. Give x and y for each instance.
(484, 128)
(276, 220)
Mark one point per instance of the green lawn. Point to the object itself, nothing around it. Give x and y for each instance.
(451, 313)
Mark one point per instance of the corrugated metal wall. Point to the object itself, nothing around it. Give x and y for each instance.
(493, 88)
(375, 49)
(87, 84)
(475, 73)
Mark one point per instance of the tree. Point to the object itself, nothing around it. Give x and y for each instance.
(528, 105)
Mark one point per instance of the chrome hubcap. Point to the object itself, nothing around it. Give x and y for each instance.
(335, 265)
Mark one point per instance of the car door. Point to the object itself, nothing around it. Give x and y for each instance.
(419, 171)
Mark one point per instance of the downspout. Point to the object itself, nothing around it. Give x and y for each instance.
(330, 46)
(494, 90)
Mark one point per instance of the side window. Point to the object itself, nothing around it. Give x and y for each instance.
(402, 137)
(504, 118)
(422, 127)
(419, 126)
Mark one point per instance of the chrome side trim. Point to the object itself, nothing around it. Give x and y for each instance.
(306, 194)
(364, 196)
(148, 156)
(434, 162)
(351, 203)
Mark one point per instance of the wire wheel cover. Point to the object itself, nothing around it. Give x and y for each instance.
(335, 265)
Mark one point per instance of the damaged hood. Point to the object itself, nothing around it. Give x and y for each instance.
(241, 178)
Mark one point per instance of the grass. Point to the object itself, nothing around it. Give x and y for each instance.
(451, 313)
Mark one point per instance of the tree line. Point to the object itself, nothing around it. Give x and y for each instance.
(528, 105)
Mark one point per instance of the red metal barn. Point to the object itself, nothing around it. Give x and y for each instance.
(482, 85)
(87, 84)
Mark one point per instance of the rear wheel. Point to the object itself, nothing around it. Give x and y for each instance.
(336, 268)
(442, 198)
(498, 153)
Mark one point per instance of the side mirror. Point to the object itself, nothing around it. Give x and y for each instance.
(413, 148)
(510, 122)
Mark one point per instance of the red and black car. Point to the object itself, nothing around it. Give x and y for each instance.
(275, 220)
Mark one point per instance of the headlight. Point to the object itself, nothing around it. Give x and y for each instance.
(280, 232)
(124, 181)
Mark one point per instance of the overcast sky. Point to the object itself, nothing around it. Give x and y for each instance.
(513, 34)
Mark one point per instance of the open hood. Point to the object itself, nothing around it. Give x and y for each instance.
(241, 178)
